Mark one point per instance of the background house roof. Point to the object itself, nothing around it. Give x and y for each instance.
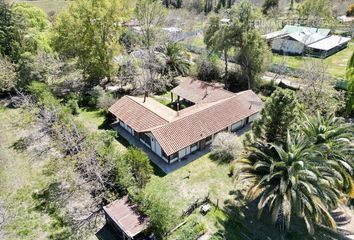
(126, 216)
(294, 28)
(299, 33)
(192, 128)
(306, 37)
(197, 91)
(329, 42)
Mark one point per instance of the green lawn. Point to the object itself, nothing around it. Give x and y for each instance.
(94, 120)
(194, 181)
(335, 64)
(164, 98)
(47, 5)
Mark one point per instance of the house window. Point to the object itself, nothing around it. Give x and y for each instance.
(174, 155)
(194, 147)
(145, 138)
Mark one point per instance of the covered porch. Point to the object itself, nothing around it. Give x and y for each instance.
(158, 161)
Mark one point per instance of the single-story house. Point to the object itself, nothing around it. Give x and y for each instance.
(172, 135)
(300, 40)
(125, 219)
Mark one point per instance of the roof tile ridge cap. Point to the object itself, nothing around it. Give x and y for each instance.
(212, 104)
(132, 98)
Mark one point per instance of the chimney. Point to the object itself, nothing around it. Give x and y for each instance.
(145, 95)
(250, 106)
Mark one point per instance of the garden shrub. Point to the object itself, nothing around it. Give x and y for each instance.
(193, 229)
(207, 68)
(226, 146)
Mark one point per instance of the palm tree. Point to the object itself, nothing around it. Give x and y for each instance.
(332, 137)
(287, 180)
(176, 59)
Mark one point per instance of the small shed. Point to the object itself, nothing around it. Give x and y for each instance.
(126, 220)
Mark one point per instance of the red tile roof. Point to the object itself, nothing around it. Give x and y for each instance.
(136, 114)
(126, 216)
(194, 127)
(197, 91)
(175, 131)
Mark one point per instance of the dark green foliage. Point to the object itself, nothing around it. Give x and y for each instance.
(88, 30)
(176, 58)
(219, 39)
(160, 212)
(350, 90)
(278, 115)
(306, 176)
(207, 68)
(73, 106)
(129, 39)
(269, 4)
(134, 169)
(11, 35)
(8, 75)
(193, 229)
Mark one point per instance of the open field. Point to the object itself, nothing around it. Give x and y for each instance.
(335, 64)
(47, 5)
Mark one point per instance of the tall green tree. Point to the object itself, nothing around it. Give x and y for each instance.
(151, 16)
(176, 57)
(218, 39)
(36, 35)
(350, 90)
(332, 137)
(316, 12)
(278, 116)
(306, 176)
(253, 52)
(286, 182)
(140, 168)
(11, 32)
(89, 30)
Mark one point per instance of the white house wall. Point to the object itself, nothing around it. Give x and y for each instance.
(287, 45)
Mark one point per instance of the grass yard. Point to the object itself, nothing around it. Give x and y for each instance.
(194, 181)
(94, 120)
(20, 177)
(335, 64)
(47, 5)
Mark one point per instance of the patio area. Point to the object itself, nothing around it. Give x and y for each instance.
(165, 167)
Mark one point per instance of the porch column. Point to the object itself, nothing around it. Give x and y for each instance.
(171, 97)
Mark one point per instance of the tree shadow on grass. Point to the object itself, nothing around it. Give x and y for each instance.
(22, 144)
(245, 215)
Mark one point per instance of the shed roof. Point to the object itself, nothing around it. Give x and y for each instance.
(329, 42)
(200, 124)
(126, 216)
(197, 91)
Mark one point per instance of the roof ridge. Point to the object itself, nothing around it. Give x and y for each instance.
(213, 104)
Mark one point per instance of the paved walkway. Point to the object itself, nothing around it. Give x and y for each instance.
(165, 167)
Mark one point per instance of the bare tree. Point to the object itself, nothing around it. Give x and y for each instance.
(319, 93)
